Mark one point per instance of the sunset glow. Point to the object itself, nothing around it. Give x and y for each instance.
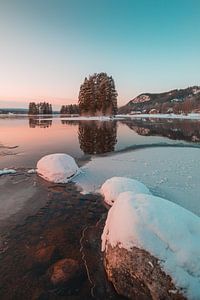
(48, 47)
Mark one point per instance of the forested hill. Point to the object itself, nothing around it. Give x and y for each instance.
(183, 100)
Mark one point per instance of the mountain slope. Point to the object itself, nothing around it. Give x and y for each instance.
(174, 100)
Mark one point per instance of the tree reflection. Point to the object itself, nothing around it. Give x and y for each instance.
(96, 137)
(187, 130)
(42, 123)
(70, 122)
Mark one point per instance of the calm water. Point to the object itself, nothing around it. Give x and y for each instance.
(23, 141)
(37, 215)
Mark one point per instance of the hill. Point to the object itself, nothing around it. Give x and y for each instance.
(177, 101)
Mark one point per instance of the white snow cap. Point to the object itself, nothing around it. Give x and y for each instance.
(166, 230)
(58, 168)
(116, 185)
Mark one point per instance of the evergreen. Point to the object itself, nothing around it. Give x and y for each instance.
(41, 108)
(71, 109)
(98, 95)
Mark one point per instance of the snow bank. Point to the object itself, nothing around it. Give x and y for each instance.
(58, 168)
(116, 185)
(7, 171)
(164, 229)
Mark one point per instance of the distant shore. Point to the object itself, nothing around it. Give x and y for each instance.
(195, 116)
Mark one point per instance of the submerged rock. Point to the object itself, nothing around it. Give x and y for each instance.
(45, 254)
(64, 271)
(58, 168)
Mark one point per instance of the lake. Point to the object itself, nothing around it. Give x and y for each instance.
(23, 141)
(43, 222)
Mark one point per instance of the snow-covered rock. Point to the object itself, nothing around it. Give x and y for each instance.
(112, 187)
(58, 168)
(7, 171)
(165, 231)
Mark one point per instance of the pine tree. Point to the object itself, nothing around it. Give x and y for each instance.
(98, 95)
(40, 108)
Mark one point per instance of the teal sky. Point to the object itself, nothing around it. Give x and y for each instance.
(47, 47)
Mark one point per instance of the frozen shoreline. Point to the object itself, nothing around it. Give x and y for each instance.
(171, 173)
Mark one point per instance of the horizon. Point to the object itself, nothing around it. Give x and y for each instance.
(63, 102)
(47, 49)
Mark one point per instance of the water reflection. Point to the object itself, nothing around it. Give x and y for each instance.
(96, 137)
(42, 123)
(187, 130)
(69, 122)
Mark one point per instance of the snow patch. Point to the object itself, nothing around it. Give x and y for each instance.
(58, 168)
(116, 185)
(167, 231)
(7, 171)
(32, 171)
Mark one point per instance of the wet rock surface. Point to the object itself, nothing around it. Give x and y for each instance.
(137, 275)
(68, 226)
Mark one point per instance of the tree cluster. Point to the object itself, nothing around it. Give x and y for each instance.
(185, 107)
(98, 95)
(41, 108)
(69, 109)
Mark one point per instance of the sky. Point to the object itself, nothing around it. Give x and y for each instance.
(48, 47)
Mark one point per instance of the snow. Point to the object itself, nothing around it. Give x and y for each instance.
(7, 171)
(32, 171)
(169, 172)
(166, 230)
(86, 118)
(58, 168)
(195, 116)
(116, 185)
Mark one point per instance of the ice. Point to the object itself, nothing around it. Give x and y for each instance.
(7, 171)
(164, 170)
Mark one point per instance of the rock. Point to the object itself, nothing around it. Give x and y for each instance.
(64, 271)
(45, 254)
(116, 185)
(136, 275)
(58, 168)
(151, 247)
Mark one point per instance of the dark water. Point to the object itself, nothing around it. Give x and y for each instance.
(58, 216)
(23, 141)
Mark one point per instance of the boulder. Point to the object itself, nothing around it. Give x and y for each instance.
(116, 185)
(152, 248)
(136, 274)
(58, 168)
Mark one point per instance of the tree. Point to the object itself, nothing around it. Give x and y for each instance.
(69, 109)
(43, 108)
(98, 95)
(187, 106)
